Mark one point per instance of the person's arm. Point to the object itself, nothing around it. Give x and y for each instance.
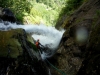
(41, 44)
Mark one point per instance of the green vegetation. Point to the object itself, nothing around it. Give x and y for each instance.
(32, 46)
(70, 7)
(40, 11)
(17, 6)
(65, 13)
(45, 11)
(35, 11)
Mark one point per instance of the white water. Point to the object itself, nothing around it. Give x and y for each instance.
(47, 35)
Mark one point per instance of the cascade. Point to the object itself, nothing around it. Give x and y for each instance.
(49, 36)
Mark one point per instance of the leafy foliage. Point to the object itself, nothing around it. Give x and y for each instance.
(17, 6)
(35, 11)
(71, 5)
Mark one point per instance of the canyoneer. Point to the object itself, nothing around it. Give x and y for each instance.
(37, 43)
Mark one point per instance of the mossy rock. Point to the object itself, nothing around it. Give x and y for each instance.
(9, 43)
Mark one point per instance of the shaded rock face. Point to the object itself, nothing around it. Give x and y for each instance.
(78, 55)
(19, 55)
(91, 63)
(60, 22)
(7, 15)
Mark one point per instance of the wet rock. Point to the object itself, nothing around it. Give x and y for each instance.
(19, 55)
(91, 63)
(7, 15)
(78, 55)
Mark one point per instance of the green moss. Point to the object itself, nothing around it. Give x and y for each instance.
(15, 48)
(31, 42)
(30, 39)
(66, 22)
(9, 45)
(32, 46)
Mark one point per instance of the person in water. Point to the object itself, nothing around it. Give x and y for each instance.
(38, 45)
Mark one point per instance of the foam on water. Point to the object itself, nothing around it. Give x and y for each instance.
(47, 35)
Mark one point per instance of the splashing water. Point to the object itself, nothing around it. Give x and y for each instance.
(49, 36)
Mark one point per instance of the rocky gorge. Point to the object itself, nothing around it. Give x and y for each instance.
(18, 53)
(80, 56)
(77, 53)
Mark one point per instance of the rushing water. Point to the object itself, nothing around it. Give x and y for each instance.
(49, 36)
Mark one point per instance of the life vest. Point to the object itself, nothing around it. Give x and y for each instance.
(37, 44)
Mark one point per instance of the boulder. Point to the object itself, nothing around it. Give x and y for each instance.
(19, 55)
(7, 15)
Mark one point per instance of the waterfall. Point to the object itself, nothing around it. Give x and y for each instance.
(49, 36)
